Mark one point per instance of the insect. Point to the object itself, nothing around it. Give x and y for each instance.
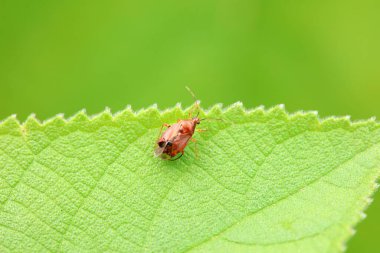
(172, 143)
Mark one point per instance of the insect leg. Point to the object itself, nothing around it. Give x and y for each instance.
(176, 157)
(195, 147)
(163, 125)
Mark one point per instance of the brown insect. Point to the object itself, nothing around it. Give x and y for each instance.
(172, 143)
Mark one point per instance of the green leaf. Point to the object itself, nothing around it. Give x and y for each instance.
(264, 181)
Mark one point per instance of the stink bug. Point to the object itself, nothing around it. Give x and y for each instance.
(172, 143)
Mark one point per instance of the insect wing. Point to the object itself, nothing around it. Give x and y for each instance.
(159, 150)
(182, 141)
(170, 135)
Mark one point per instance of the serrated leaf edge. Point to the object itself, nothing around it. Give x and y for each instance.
(238, 105)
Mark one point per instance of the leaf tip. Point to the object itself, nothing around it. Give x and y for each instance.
(368, 201)
(278, 112)
(235, 111)
(237, 106)
(216, 109)
(10, 125)
(178, 105)
(31, 123)
(128, 108)
(32, 118)
(316, 113)
(347, 117)
(59, 115)
(79, 117)
(333, 122)
(11, 118)
(107, 110)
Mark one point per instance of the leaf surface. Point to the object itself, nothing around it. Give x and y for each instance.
(263, 181)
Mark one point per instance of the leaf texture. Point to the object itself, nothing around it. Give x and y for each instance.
(263, 181)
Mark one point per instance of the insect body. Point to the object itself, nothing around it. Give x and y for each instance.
(173, 141)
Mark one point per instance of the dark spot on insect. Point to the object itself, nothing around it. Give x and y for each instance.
(161, 144)
(169, 143)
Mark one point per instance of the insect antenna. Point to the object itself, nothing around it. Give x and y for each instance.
(196, 102)
(191, 92)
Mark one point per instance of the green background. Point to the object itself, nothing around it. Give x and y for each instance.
(62, 56)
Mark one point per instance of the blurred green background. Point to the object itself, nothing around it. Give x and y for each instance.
(62, 56)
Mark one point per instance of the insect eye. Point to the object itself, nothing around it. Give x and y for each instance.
(161, 144)
(169, 143)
